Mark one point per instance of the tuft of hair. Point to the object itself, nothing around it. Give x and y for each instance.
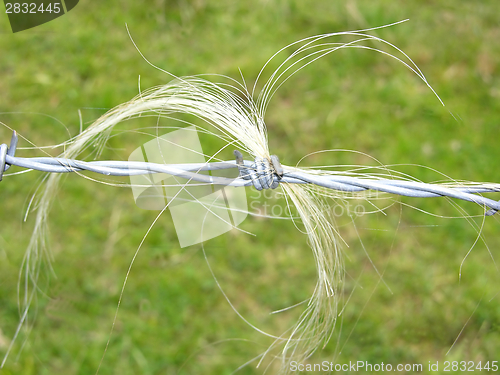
(233, 112)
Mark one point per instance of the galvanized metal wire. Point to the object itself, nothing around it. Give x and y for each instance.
(262, 174)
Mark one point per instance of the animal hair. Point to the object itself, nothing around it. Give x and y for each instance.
(237, 115)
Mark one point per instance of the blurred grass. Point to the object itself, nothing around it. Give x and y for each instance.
(173, 319)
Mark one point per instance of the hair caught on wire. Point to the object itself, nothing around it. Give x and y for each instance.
(232, 111)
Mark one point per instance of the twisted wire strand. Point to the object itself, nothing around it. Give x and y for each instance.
(262, 174)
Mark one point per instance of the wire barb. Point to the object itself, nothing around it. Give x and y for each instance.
(491, 212)
(262, 175)
(3, 154)
(4, 151)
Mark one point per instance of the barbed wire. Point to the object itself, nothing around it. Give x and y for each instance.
(262, 174)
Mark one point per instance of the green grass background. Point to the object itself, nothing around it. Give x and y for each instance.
(173, 319)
